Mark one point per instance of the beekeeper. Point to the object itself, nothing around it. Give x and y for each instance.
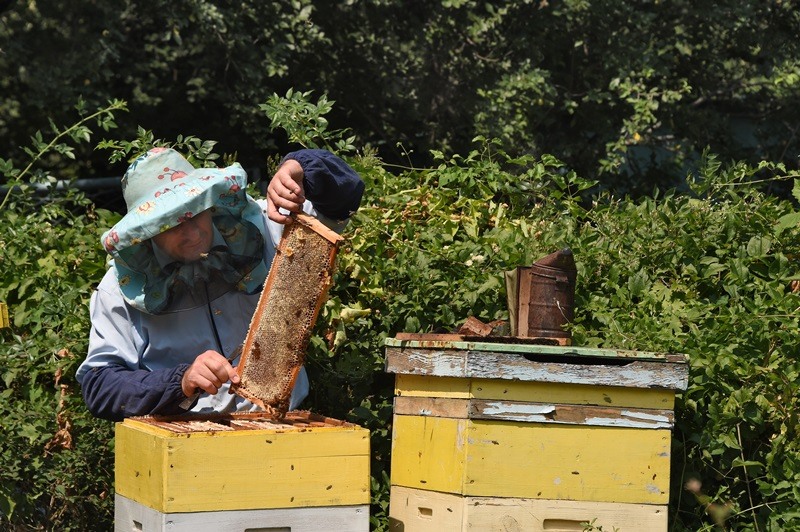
(189, 260)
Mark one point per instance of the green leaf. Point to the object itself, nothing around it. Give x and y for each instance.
(758, 246)
(796, 189)
(638, 283)
(7, 501)
(787, 221)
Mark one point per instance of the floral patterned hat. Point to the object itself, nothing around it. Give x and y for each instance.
(161, 190)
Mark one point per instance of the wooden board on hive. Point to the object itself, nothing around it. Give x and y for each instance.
(537, 363)
(531, 460)
(130, 515)
(534, 412)
(276, 343)
(533, 392)
(465, 337)
(415, 510)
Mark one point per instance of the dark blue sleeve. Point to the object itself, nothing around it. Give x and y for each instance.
(330, 184)
(115, 392)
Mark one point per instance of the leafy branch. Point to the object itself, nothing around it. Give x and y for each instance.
(78, 132)
(199, 152)
(305, 122)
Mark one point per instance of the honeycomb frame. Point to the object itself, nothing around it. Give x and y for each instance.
(277, 339)
(241, 421)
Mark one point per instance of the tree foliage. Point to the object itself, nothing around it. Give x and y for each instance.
(628, 93)
(56, 462)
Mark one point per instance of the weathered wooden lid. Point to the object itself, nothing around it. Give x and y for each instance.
(519, 359)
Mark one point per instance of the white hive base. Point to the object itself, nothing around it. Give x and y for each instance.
(130, 516)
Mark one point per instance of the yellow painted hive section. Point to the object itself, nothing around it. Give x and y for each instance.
(511, 436)
(276, 343)
(430, 511)
(531, 460)
(242, 462)
(533, 392)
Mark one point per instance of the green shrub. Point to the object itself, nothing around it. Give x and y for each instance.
(56, 460)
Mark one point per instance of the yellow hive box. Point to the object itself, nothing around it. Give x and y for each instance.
(518, 459)
(242, 462)
(430, 511)
(533, 422)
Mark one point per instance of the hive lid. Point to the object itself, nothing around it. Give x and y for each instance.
(531, 363)
(523, 346)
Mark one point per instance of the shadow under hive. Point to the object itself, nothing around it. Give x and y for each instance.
(276, 343)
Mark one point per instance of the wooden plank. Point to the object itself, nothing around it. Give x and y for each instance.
(429, 452)
(427, 386)
(211, 422)
(533, 392)
(533, 412)
(243, 469)
(440, 363)
(577, 394)
(443, 340)
(432, 406)
(414, 510)
(430, 337)
(525, 346)
(130, 515)
(570, 414)
(531, 460)
(636, 374)
(510, 366)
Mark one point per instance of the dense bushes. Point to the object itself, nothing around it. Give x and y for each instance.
(56, 462)
(707, 273)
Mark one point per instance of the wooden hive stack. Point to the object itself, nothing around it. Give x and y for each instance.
(276, 343)
(271, 470)
(521, 436)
